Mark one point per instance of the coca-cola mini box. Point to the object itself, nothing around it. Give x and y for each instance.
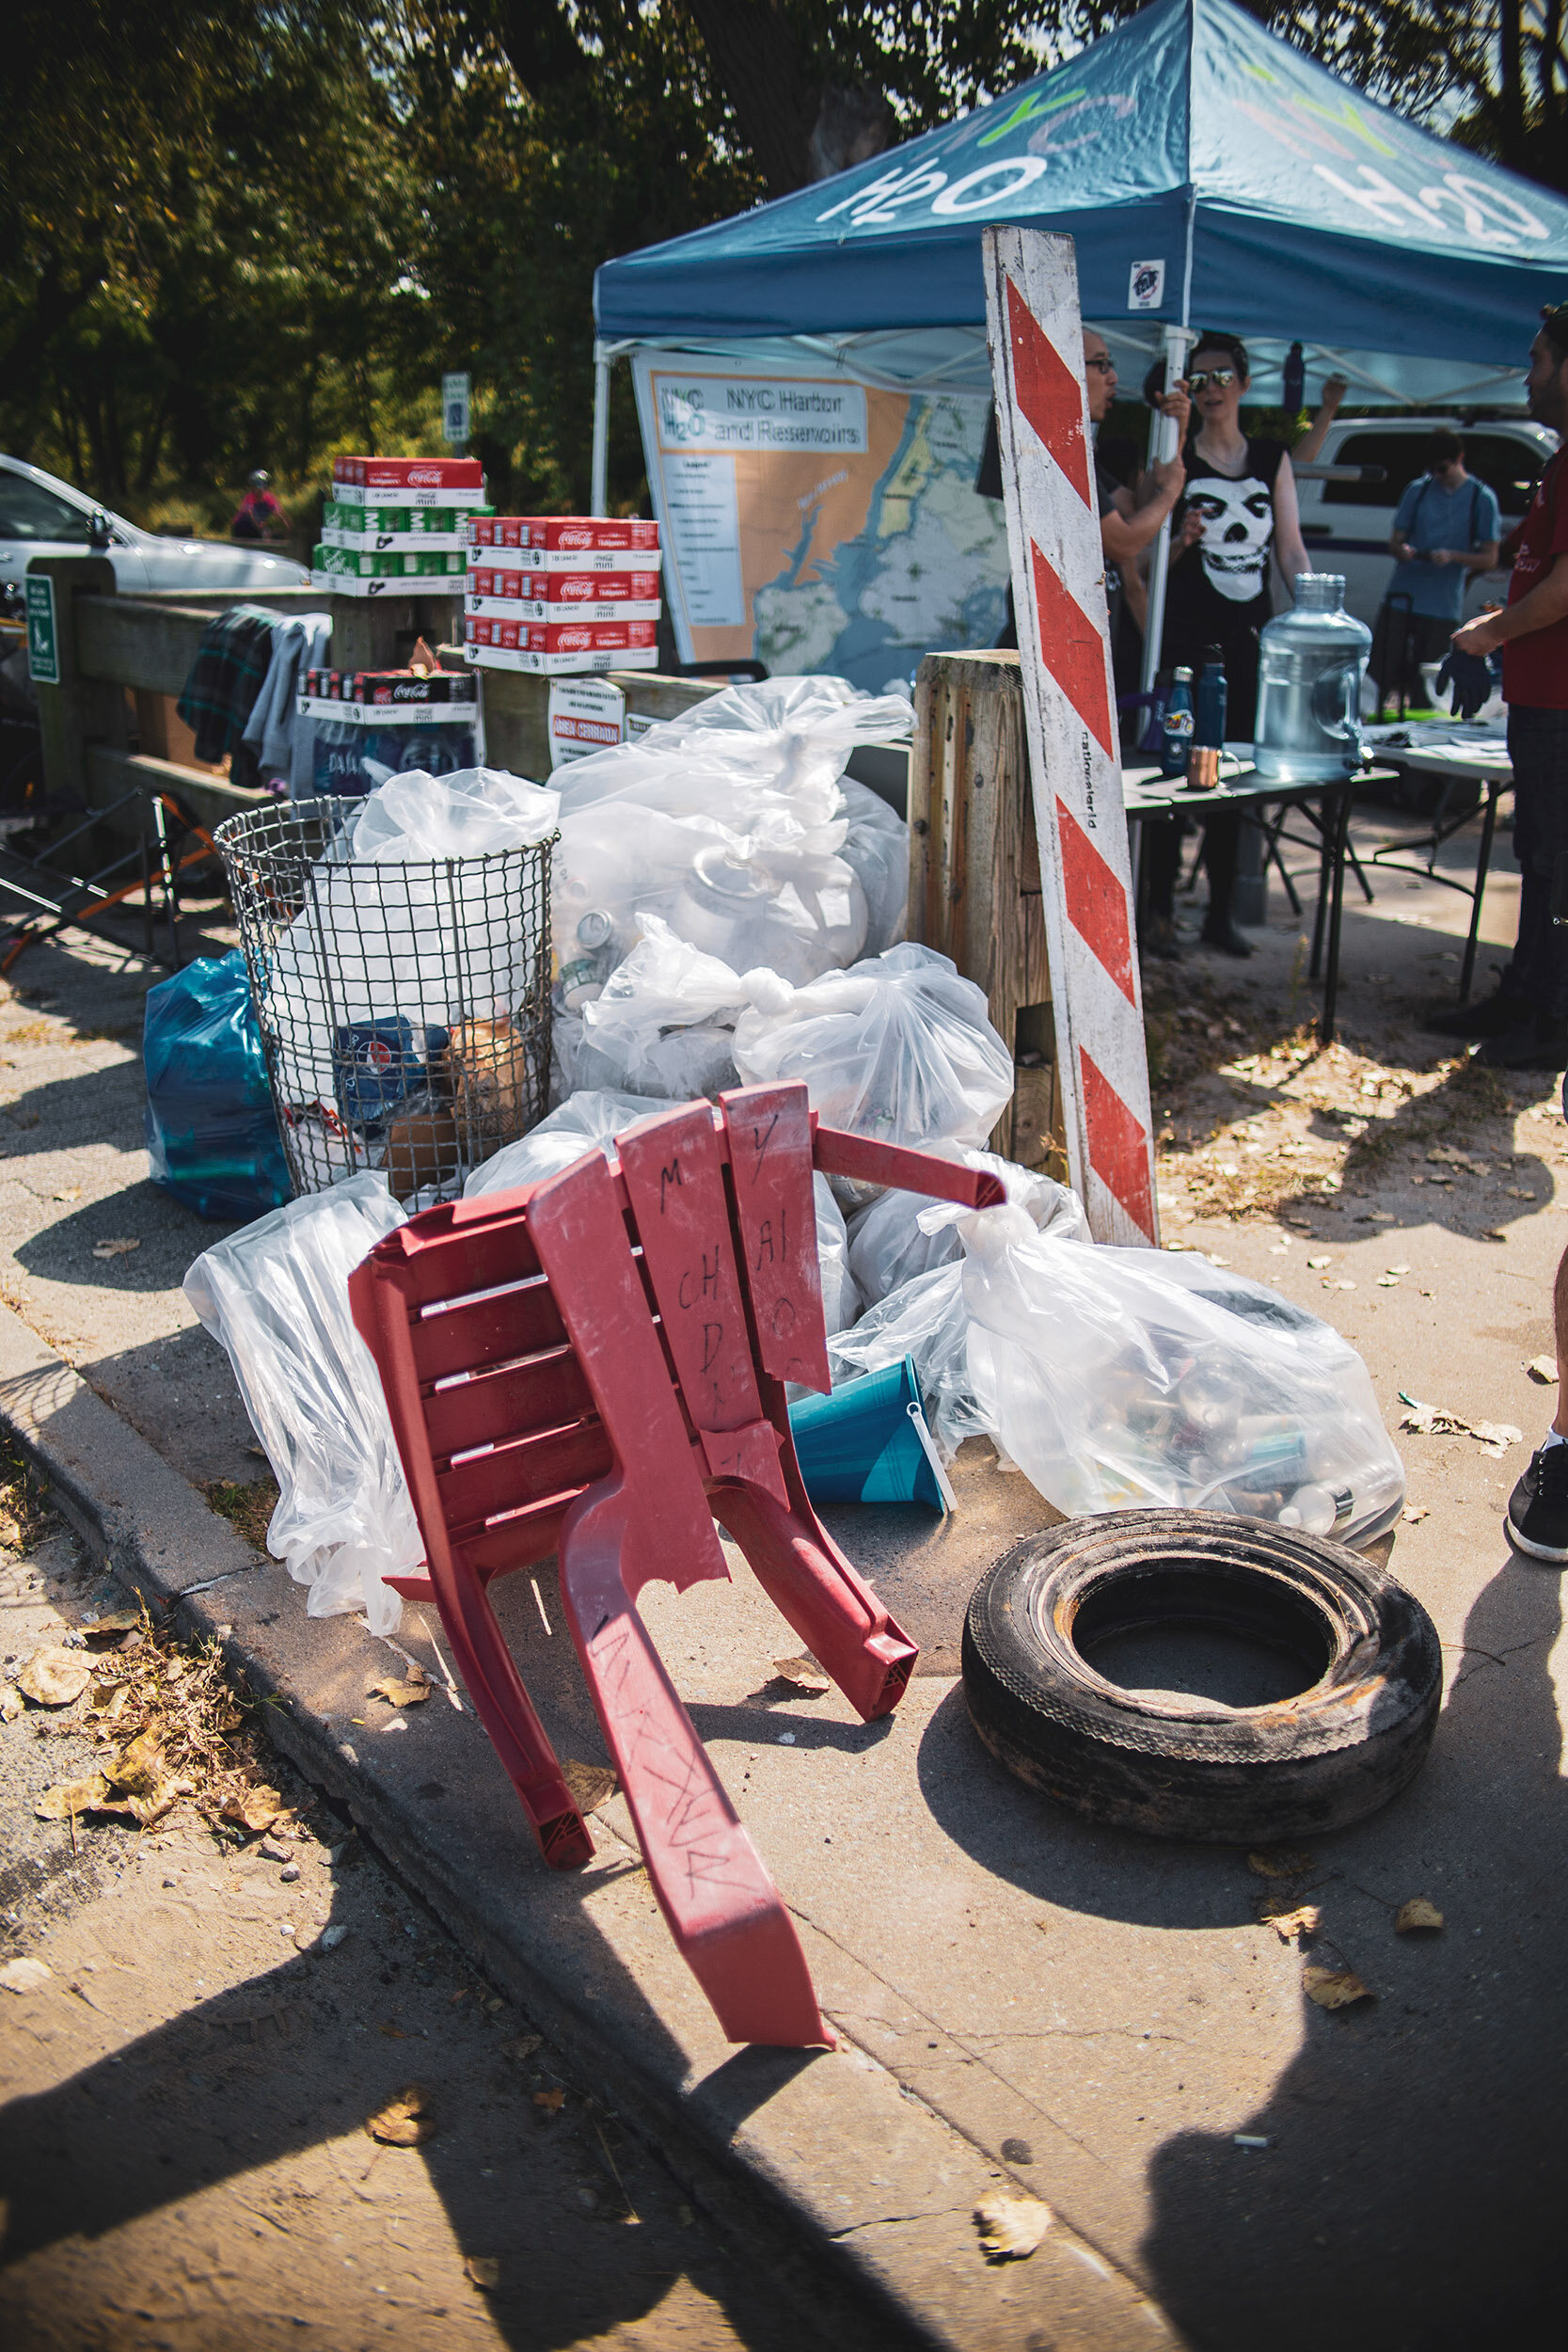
(418, 473)
(566, 543)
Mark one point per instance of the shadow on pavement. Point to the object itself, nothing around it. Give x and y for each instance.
(269, 2070)
(1411, 2195)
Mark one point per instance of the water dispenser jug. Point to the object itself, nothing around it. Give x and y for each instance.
(1311, 665)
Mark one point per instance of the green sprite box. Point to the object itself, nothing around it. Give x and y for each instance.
(391, 564)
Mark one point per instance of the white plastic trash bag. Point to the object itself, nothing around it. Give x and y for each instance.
(664, 1024)
(776, 894)
(275, 1295)
(841, 1298)
(1122, 1378)
(901, 1049)
(473, 813)
(584, 1121)
(730, 823)
(889, 1240)
(925, 1318)
(876, 845)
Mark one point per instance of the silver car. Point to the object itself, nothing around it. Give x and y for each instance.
(43, 515)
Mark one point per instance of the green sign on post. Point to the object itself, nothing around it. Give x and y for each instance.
(43, 643)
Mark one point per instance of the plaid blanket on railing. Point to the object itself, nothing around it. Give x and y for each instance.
(231, 664)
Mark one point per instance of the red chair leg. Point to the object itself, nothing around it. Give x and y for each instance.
(503, 1707)
(814, 1588)
(726, 1915)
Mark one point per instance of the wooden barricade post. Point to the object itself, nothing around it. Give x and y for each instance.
(1035, 332)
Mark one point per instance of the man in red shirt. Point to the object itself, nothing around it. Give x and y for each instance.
(1524, 1025)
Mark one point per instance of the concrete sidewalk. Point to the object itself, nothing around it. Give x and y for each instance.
(1091, 2017)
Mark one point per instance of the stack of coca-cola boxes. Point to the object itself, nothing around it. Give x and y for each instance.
(561, 593)
(397, 518)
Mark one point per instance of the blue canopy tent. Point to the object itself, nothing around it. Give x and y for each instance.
(1208, 173)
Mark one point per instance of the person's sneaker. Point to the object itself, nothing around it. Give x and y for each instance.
(1159, 939)
(1495, 1016)
(1537, 1521)
(1537, 1043)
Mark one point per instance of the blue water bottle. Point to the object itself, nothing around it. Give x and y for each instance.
(1213, 692)
(1176, 739)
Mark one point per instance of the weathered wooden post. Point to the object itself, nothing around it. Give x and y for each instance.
(78, 709)
(1035, 332)
(974, 876)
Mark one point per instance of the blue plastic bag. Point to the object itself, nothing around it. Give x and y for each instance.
(210, 1133)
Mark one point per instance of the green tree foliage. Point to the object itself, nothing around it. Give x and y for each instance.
(254, 234)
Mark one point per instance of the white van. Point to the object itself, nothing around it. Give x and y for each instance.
(1347, 525)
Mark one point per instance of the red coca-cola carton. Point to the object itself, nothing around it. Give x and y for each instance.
(585, 636)
(410, 473)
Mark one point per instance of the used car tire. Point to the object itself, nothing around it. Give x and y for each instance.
(1174, 1766)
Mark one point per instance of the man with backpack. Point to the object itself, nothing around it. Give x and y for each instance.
(1445, 528)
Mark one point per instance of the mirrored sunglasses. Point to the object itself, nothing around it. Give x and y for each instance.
(1221, 378)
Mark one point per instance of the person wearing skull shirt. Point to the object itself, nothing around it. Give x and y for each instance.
(1239, 511)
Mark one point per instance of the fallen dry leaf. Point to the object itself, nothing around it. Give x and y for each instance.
(1543, 1368)
(394, 2033)
(1413, 1513)
(55, 1677)
(113, 1623)
(1436, 1420)
(1281, 1862)
(23, 1976)
(139, 1766)
(398, 1693)
(114, 1248)
(551, 2101)
(484, 2270)
(71, 1797)
(1011, 2227)
(523, 2045)
(256, 1808)
(589, 1784)
(802, 1674)
(11, 1702)
(1333, 1988)
(1417, 1914)
(1287, 1919)
(404, 2122)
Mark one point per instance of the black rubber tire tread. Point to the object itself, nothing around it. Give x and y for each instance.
(1184, 1768)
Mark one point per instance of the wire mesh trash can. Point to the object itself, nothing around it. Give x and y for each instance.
(405, 1008)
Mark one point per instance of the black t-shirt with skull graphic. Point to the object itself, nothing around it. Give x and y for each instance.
(1218, 592)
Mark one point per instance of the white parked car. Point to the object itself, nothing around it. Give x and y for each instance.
(1347, 525)
(42, 515)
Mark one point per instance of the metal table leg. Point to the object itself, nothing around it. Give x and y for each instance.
(1339, 836)
(1484, 862)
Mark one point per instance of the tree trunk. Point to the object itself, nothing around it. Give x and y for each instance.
(1512, 75)
(757, 64)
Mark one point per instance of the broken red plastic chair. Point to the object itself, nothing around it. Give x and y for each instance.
(594, 1365)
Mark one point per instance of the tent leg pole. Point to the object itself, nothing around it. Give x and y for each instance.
(1162, 443)
(598, 495)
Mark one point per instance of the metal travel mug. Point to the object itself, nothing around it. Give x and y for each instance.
(1203, 768)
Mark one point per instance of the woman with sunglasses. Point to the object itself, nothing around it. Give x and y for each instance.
(1239, 510)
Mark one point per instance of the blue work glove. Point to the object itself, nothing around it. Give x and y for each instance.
(1470, 676)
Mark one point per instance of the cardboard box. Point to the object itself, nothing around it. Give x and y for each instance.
(569, 591)
(538, 608)
(361, 562)
(346, 584)
(515, 634)
(413, 473)
(578, 538)
(561, 664)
